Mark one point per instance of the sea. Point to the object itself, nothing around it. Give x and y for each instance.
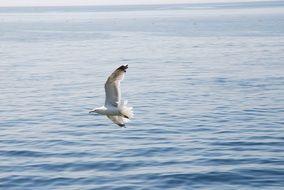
(206, 82)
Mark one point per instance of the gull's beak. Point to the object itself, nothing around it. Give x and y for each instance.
(92, 111)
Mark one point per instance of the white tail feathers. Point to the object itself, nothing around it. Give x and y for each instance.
(126, 111)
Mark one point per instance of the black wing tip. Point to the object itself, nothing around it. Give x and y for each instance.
(123, 68)
(121, 125)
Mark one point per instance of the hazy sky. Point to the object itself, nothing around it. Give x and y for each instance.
(100, 2)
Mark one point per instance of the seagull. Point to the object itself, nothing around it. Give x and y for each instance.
(115, 108)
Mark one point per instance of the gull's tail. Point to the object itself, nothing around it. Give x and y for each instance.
(126, 111)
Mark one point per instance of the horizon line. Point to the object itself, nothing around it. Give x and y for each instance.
(141, 4)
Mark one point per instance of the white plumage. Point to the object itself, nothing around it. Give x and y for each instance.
(115, 108)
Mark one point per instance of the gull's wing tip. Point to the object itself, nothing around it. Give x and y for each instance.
(123, 68)
(121, 125)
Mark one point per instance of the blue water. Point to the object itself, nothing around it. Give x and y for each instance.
(206, 84)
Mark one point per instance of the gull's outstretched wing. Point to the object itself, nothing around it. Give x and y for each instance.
(119, 120)
(112, 86)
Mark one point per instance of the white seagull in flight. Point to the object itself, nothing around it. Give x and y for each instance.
(115, 108)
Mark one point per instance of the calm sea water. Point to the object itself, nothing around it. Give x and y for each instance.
(205, 81)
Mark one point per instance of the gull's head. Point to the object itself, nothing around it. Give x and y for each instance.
(100, 110)
(94, 110)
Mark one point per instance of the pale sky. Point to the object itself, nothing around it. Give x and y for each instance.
(4, 3)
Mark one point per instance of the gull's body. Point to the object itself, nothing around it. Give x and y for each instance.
(115, 108)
